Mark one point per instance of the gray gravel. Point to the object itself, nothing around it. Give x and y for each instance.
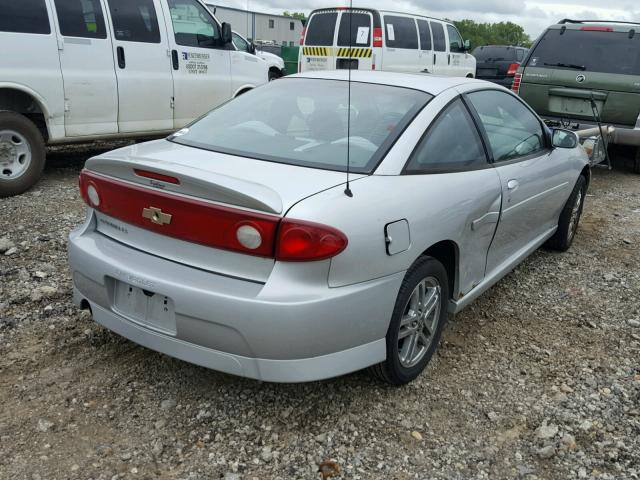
(538, 379)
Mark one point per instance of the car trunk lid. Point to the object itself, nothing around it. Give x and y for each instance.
(185, 204)
(567, 70)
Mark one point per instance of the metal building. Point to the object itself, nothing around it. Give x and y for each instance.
(259, 27)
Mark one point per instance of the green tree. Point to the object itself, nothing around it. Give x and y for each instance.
(299, 15)
(502, 33)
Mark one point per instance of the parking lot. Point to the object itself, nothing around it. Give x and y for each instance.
(538, 379)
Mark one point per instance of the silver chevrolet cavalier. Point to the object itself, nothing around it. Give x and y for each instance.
(300, 232)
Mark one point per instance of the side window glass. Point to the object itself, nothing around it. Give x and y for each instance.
(512, 129)
(24, 16)
(520, 55)
(135, 21)
(401, 32)
(455, 40)
(192, 24)
(239, 43)
(425, 35)
(80, 18)
(452, 143)
(439, 41)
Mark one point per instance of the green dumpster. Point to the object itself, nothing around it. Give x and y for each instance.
(290, 56)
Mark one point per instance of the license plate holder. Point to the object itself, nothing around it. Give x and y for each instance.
(147, 308)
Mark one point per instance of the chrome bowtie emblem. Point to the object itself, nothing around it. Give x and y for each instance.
(580, 78)
(156, 216)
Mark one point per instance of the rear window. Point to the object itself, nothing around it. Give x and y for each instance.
(24, 16)
(300, 121)
(401, 32)
(321, 29)
(495, 54)
(603, 52)
(360, 30)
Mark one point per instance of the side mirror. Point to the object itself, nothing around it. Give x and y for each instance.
(467, 45)
(226, 34)
(252, 48)
(564, 138)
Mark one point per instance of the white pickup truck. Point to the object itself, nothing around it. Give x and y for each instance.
(85, 70)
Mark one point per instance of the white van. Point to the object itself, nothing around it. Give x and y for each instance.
(84, 70)
(383, 40)
(274, 62)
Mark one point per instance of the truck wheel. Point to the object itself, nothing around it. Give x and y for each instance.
(22, 154)
(274, 74)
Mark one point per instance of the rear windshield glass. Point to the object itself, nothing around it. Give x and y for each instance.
(605, 52)
(360, 30)
(303, 122)
(321, 28)
(494, 54)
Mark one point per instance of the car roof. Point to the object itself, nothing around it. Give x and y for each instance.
(580, 24)
(425, 82)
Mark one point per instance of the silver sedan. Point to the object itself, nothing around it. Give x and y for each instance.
(302, 231)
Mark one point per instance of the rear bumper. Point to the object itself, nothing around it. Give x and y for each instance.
(291, 329)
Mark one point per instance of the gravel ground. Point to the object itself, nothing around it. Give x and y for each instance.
(540, 378)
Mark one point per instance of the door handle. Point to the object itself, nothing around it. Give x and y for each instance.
(434, 58)
(449, 59)
(174, 60)
(513, 185)
(121, 60)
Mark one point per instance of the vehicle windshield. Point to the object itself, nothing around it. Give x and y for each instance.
(494, 54)
(591, 51)
(303, 122)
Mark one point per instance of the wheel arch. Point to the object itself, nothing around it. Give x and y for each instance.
(243, 89)
(25, 101)
(447, 252)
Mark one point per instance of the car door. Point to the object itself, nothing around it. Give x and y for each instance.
(248, 70)
(440, 53)
(452, 153)
(355, 48)
(402, 53)
(456, 56)
(143, 72)
(426, 46)
(201, 63)
(88, 70)
(535, 181)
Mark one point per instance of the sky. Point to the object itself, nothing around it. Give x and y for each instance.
(533, 15)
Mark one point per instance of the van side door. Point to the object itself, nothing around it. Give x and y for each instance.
(440, 49)
(201, 63)
(426, 46)
(402, 52)
(457, 55)
(88, 70)
(145, 86)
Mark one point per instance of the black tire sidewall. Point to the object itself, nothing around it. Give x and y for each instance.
(425, 267)
(567, 236)
(24, 126)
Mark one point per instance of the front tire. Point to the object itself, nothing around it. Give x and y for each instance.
(416, 324)
(22, 154)
(274, 75)
(569, 218)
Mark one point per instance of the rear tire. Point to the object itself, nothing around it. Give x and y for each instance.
(22, 154)
(569, 218)
(419, 315)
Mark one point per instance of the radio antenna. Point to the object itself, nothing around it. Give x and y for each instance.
(347, 190)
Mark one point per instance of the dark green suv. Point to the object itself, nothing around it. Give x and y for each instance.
(577, 65)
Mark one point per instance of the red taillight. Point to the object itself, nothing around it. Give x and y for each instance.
(513, 69)
(303, 35)
(377, 37)
(207, 223)
(156, 176)
(596, 29)
(300, 241)
(517, 80)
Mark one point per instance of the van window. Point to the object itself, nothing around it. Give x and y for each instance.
(452, 143)
(81, 18)
(495, 54)
(134, 21)
(192, 24)
(603, 52)
(360, 30)
(25, 16)
(401, 32)
(322, 27)
(520, 55)
(425, 35)
(512, 129)
(455, 40)
(439, 40)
